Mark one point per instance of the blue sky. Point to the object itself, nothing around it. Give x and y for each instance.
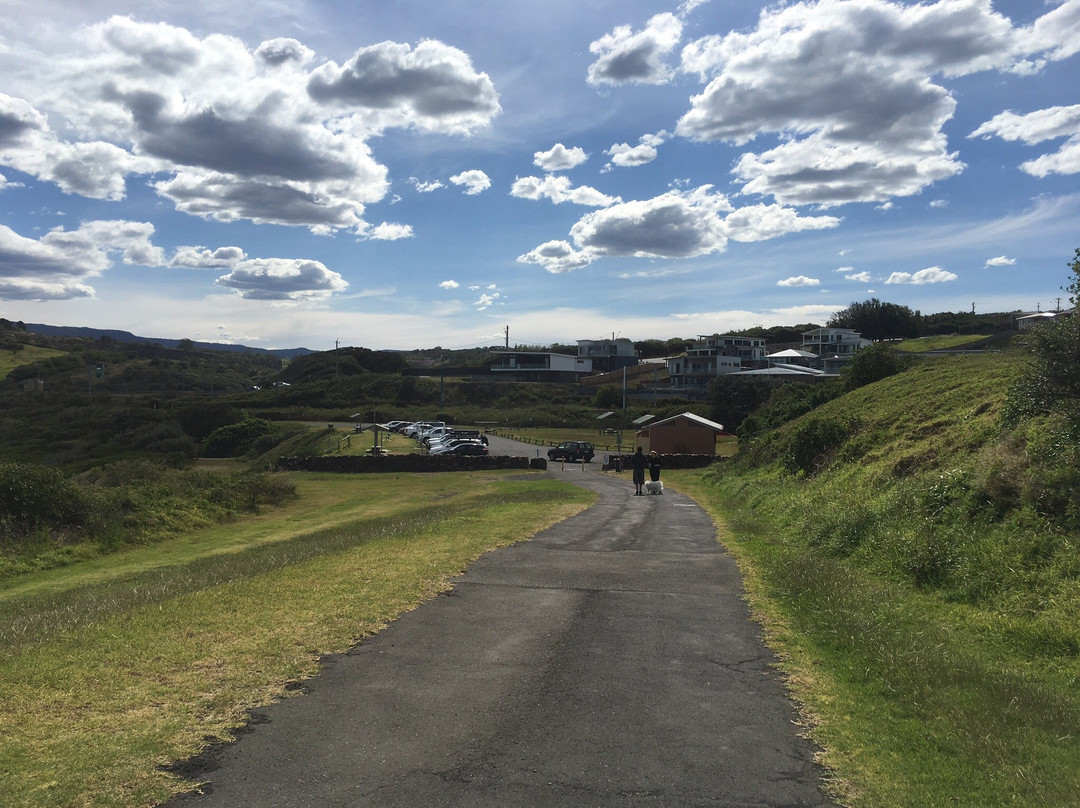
(409, 174)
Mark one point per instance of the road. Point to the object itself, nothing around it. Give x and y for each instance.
(610, 661)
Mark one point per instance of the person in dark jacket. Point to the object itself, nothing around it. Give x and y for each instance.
(654, 466)
(639, 463)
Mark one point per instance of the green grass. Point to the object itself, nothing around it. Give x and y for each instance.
(186, 638)
(9, 360)
(938, 343)
(932, 637)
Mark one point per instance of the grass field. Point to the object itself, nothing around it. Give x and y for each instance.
(938, 343)
(27, 356)
(145, 657)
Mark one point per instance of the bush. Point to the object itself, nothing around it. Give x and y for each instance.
(235, 439)
(33, 498)
(814, 441)
(872, 364)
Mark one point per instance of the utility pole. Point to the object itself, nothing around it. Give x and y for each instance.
(507, 330)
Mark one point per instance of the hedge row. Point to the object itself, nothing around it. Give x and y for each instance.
(359, 464)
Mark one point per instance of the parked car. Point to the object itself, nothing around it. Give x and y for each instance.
(573, 450)
(449, 444)
(468, 447)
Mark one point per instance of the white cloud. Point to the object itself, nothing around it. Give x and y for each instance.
(425, 187)
(678, 224)
(673, 225)
(559, 189)
(799, 280)
(625, 155)
(486, 301)
(203, 258)
(847, 84)
(923, 276)
(861, 277)
(1000, 261)
(432, 86)
(284, 279)
(449, 285)
(58, 265)
(94, 169)
(762, 222)
(387, 231)
(235, 133)
(1037, 127)
(560, 158)
(625, 56)
(475, 181)
(557, 257)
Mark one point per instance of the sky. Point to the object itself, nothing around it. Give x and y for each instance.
(400, 174)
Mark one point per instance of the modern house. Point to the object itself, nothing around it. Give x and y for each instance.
(539, 366)
(789, 365)
(607, 355)
(681, 434)
(842, 342)
(713, 356)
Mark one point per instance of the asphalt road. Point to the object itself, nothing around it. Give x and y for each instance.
(609, 661)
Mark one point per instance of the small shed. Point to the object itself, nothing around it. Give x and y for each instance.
(681, 434)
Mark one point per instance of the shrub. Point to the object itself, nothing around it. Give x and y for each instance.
(814, 441)
(34, 497)
(872, 364)
(235, 439)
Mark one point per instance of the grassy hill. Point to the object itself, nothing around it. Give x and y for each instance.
(915, 561)
(16, 355)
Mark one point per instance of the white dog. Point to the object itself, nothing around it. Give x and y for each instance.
(654, 487)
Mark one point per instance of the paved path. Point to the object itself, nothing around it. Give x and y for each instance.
(610, 661)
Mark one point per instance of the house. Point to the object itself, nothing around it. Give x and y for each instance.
(1027, 321)
(842, 342)
(540, 366)
(681, 434)
(713, 356)
(607, 355)
(793, 356)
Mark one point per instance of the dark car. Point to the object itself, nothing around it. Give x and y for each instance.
(468, 447)
(573, 450)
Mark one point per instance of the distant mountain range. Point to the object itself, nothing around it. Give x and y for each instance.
(127, 336)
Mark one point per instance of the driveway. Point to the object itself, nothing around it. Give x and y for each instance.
(609, 661)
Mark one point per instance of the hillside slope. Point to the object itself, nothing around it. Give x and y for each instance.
(916, 564)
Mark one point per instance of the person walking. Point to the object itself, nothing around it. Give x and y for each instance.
(654, 469)
(639, 463)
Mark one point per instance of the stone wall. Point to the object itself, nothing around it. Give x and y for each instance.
(360, 464)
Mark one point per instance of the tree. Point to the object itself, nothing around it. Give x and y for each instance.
(1051, 381)
(876, 320)
(870, 365)
(735, 398)
(608, 397)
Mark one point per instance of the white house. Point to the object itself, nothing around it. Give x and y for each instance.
(713, 356)
(842, 342)
(540, 366)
